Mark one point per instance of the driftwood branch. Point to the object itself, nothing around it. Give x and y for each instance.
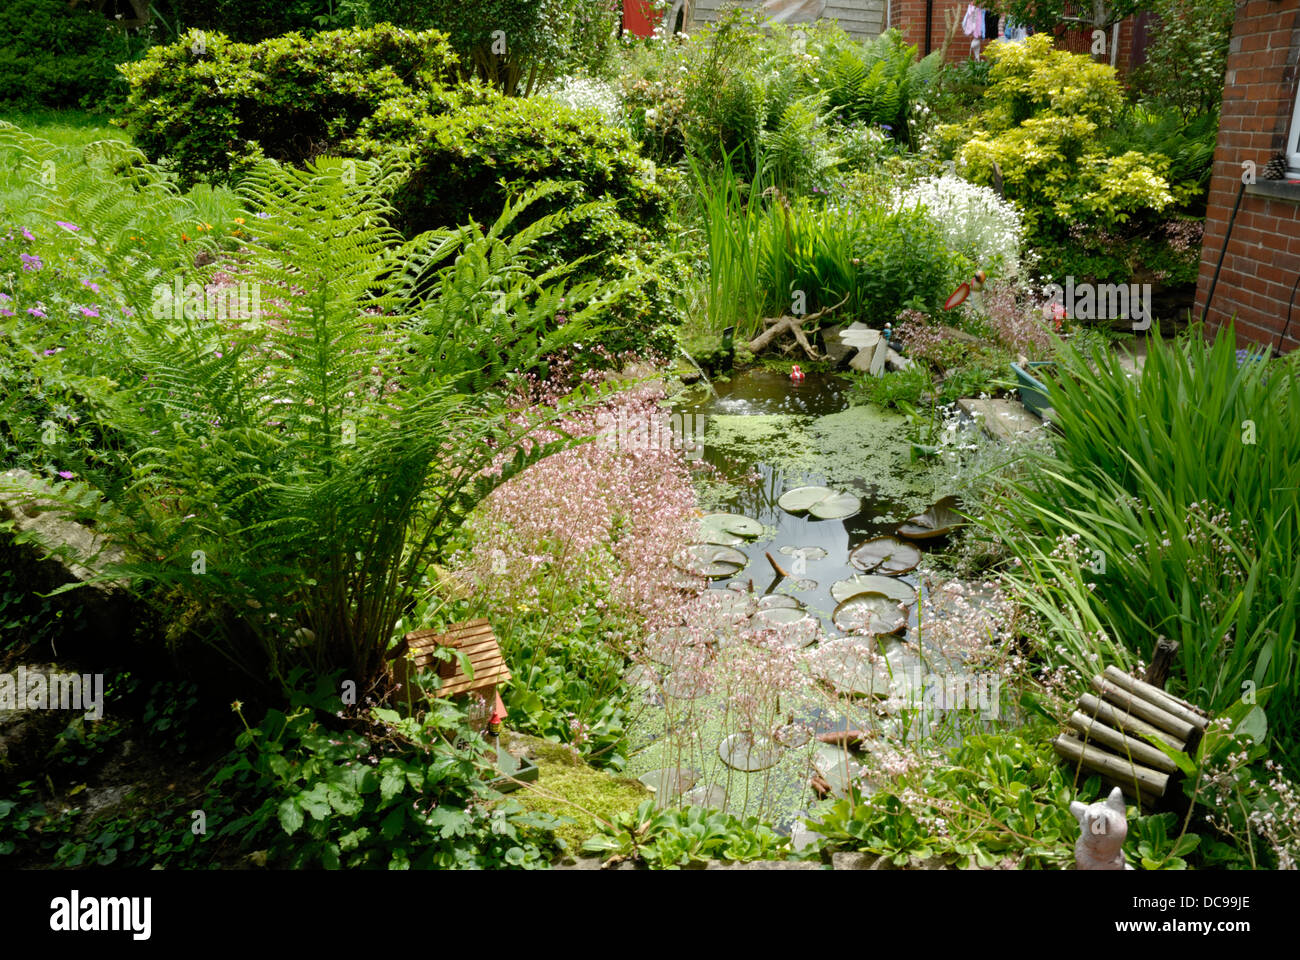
(788, 324)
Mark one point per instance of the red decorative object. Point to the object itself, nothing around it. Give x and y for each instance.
(796, 374)
(958, 297)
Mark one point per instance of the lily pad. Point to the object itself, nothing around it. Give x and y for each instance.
(740, 751)
(669, 781)
(713, 560)
(872, 613)
(688, 683)
(729, 604)
(841, 506)
(808, 553)
(778, 600)
(940, 520)
(795, 627)
(851, 666)
(885, 555)
(898, 590)
(714, 797)
(729, 529)
(801, 499)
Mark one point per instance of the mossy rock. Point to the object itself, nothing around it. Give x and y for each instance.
(570, 782)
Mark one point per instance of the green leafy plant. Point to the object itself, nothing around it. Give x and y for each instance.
(331, 485)
(213, 107)
(1168, 508)
(667, 839)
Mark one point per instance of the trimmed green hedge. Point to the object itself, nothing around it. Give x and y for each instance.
(213, 107)
(51, 56)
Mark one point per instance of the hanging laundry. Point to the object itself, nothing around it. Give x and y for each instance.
(973, 23)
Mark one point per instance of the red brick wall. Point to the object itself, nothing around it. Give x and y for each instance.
(909, 18)
(1263, 255)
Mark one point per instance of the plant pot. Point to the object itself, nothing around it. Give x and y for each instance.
(1033, 392)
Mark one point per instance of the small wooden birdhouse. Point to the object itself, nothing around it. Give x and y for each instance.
(474, 639)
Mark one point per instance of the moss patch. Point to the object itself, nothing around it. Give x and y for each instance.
(566, 783)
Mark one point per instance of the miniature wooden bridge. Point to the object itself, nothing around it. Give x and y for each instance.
(1111, 734)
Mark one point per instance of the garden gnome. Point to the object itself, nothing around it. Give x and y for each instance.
(1102, 829)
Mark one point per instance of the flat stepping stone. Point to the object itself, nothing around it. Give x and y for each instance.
(741, 752)
(836, 767)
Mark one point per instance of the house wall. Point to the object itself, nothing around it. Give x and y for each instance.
(1263, 254)
(859, 18)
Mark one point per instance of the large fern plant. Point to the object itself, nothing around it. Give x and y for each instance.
(293, 472)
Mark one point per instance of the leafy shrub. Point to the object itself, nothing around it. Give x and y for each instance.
(540, 37)
(1168, 508)
(465, 164)
(1044, 114)
(55, 55)
(666, 839)
(311, 469)
(1188, 55)
(213, 107)
(401, 794)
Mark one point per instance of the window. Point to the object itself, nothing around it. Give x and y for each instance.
(1293, 143)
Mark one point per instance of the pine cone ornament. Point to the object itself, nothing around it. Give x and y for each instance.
(1275, 169)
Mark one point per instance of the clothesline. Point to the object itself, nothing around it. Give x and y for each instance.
(979, 24)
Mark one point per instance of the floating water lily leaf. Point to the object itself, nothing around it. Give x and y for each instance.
(688, 683)
(713, 560)
(669, 781)
(898, 590)
(742, 752)
(940, 520)
(885, 555)
(795, 628)
(777, 600)
(822, 503)
(728, 604)
(714, 797)
(869, 613)
(802, 498)
(728, 529)
(851, 666)
(838, 507)
(808, 553)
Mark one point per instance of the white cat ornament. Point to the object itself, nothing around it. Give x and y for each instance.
(1102, 829)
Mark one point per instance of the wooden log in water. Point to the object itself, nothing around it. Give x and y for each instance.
(1179, 708)
(1126, 722)
(1127, 747)
(1134, 779)
(1145, 709)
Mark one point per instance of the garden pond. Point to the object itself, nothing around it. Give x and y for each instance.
(722, 725)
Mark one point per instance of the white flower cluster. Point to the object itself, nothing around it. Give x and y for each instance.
(585, 93)
(974, 219)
